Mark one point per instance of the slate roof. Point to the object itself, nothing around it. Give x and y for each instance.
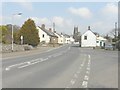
(48, 32)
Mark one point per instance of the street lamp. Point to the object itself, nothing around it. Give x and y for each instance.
(12, 28)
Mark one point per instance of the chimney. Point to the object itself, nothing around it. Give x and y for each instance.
(43, 26)
(50, 29)
(89, 28)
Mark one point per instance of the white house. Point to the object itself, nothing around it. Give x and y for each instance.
(64, 39)
(46, 36)
(88, 39)
(60, 38)
(67, 38)
(100, 41)
(72, 40)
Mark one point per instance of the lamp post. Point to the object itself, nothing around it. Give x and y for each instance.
(12, 28)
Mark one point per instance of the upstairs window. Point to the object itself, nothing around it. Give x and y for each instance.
(43, 35)
(85, 37)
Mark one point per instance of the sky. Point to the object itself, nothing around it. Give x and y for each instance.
(101, 16)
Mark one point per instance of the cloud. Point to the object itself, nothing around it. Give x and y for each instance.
(58, 20)
(26, 5)
(110, 8)
(61, 24)
(82, 12)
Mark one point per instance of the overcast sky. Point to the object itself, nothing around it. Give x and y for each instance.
(101, 16)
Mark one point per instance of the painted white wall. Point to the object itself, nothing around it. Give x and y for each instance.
(91, 39)
(102, 40)
(60, 38)
(64, 39)
(46, 37)
(71, 40)
(67, 40)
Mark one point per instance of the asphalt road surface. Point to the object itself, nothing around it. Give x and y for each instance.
(66, 67)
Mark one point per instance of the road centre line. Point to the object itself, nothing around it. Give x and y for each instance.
(84, 84)
(29, 62)
(73, 81)
(86, 78)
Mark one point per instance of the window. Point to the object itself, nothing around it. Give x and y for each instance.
(43, 35)
(97, 41)
(85, 37)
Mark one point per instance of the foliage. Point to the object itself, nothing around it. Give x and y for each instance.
(29, 33)
(4, 34)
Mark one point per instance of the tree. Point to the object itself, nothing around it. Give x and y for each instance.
(29, 33)
(4, 34)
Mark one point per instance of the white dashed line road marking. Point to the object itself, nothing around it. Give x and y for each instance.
(7, 69)
(78, 72)
(87, 72)
(86, 78)
(84, 84)
(24, 66)
(88, 68)
(72, 81)
(75, 75)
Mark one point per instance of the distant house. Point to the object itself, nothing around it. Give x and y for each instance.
(60, 38)
(67, 38)
(47, 36)
(100, 41)
(72, 40)
(88, 39)
(64, 39)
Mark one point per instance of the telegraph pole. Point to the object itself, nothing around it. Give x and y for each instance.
(53, 27)
(115, 34)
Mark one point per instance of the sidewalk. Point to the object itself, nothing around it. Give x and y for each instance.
(26, 53)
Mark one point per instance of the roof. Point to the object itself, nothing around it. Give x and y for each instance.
(66, 35)
(101, 38)
(58, 34)
(88, 31)
(48, 32)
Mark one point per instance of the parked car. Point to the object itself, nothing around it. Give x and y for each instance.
(109, 47)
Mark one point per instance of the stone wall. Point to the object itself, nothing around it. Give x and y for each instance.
(16, 48)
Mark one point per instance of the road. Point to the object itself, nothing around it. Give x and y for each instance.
(66, 67)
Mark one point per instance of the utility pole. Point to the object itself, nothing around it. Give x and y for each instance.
(53, 27)
(115, 30)
(115, 34)
(13, 28)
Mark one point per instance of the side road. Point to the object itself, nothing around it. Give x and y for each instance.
(27, 53)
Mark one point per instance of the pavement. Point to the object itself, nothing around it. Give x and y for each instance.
(68, 66)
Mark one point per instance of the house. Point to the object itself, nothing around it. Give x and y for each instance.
(64, 39)
(60, 38)
(47, 36)
(67, 38)
(100, 41)
(88, 39)
(72, 40)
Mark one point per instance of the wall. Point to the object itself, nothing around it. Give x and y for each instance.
(91, 40)
(46, 37)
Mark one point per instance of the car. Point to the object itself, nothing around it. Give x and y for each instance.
(109, 47)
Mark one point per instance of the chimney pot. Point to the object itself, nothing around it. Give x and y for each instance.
(50, 29)
(88, 27)
(43, 26)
